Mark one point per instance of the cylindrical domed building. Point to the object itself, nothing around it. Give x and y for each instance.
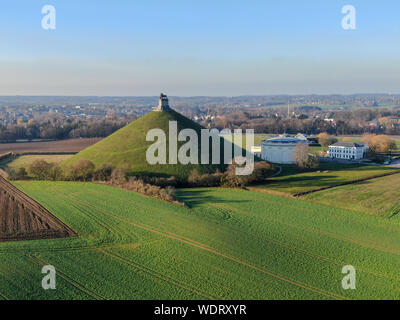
(279, 149)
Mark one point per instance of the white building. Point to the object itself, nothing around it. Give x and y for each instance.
(347, 151)
(280, 149)
(301, 136)
(256, 150)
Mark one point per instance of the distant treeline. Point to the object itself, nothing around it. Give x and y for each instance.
(306, 119)
(310, 121)
(62, 127)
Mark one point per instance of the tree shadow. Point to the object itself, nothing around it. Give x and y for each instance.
(197, 197)
(289, 170)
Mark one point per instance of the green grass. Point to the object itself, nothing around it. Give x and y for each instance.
(292, 181)
(232, 244)
(375, 197)
(316, 150)
(258, 138)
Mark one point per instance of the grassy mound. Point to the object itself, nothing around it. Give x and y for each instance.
(127, 148)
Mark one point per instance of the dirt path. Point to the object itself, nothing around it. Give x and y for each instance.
(59, 146)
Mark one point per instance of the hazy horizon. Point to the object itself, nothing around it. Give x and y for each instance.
(206, 96)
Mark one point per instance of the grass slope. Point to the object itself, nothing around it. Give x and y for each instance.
(128, 147)
(232, 244)
(292, 181)
(375, 197)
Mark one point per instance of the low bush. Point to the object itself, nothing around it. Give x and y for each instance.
(103, 173)
(205, 180)
(40, 169)
(19, 174)
(261, 171)
(82, 170)
(138, 185)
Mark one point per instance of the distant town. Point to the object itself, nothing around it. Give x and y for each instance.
(54, 118)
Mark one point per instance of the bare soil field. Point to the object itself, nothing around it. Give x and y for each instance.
(22, 218)
(60, 146)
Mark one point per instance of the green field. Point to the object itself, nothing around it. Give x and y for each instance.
(25, 161)
(375, 197)
(292, 181)
(231, 244)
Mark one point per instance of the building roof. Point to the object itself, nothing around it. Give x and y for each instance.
(347, 145)
(284, 140)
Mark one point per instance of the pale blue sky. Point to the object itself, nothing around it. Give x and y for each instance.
(199, 47)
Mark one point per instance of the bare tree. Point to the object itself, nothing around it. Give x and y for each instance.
(300, 155)
(325, 140)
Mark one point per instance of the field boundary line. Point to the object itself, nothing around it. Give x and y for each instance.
(300, 194)
(224, 255)
(37, 209)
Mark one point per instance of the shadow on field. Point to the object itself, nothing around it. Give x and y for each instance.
(321, 180)
(195, 197)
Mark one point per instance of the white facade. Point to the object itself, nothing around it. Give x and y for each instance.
(347, 151)
(301, 136)
(279, 150)
(256, 150)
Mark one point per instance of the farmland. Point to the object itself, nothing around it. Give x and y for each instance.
(372, 197)
(292, 181)
(71, 145)
(230, 244)
(21, 218)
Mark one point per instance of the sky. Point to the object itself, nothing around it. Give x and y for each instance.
(199, 48)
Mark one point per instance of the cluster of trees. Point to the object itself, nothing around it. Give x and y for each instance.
(309, 120)
(229, 178)
(40, 169)
(62, 127)
(158, 187)
(325, 140)
(379, 144)
(85, 170)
